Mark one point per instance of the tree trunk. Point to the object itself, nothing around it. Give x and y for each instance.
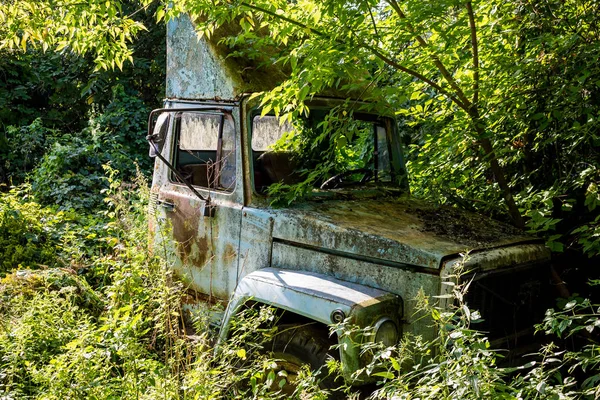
(498, 172)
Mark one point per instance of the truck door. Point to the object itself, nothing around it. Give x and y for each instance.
(195, 205)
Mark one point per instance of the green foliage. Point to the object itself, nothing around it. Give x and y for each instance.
(21, 148)
(545, 125)
(460, 364)
(97, 27)
(75, 166)
(61, 87)
(49, 96)
(34, 236)
(81, 358)
(27, 283)
(576, 369)
(124, 120)
(42, 85)
(33, 333)
(326, 144)
(70, 174)
(124, 336)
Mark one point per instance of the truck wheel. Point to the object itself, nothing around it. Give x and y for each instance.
(298, 345)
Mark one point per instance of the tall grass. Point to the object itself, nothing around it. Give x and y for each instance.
(98, 317)
(110, 325)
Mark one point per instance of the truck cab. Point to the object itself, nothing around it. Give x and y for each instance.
(356, 248)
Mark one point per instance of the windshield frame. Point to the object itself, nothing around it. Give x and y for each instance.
(397, 186)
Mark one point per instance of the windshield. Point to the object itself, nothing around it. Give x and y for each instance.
(326, 152)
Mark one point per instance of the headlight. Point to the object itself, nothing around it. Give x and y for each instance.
(386, 332)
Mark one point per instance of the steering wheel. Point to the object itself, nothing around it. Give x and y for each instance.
(336, 180)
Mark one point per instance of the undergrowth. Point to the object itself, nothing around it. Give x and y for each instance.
(86, 312)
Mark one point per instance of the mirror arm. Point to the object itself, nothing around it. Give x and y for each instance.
(208, 208)
(150, 139)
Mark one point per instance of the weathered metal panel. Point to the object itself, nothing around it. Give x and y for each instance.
(203, 250)
(502, 258)
(405, 283)
(195, 70)
(402, 230)
(205, 247)
(316, 296)
(309, 294)
(256, 238)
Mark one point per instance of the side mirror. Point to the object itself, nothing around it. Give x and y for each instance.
(159, 132)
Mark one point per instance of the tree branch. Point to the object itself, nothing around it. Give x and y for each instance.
(475, 54)
(472, 110)
(417, 75)
(283, 18)
(373, 21)
(436, 61)
(401, 14)
(498, 172)
(373, 50)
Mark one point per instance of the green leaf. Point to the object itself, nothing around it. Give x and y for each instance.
(241, 353)
(385, 374)
(571, 304)
(160, 14)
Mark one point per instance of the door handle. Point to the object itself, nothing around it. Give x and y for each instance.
(168, 205)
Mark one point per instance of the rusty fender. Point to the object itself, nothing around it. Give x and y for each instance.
(320, 298)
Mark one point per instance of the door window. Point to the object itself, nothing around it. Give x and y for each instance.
(271, 166)
(205, 150)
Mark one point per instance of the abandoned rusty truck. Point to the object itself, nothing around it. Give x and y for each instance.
(358, 248)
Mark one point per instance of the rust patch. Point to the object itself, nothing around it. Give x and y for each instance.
(229, 253)
(192, 248)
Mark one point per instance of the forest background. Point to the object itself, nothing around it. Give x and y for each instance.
(497, 103)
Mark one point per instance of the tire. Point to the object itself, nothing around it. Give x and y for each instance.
(297, 345)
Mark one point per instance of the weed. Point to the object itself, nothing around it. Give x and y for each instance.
(95, 315)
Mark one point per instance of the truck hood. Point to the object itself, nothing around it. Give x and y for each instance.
(405, 231)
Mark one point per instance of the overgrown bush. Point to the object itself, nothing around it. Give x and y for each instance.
(50, 96)
(544, 126)
(61, 87)
(36, 236)
(34, 332)
(70, 173)
(21, 148)
(123, 337)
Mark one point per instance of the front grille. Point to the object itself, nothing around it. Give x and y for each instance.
(510, 302)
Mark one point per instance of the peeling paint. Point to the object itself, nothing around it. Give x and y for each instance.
(390, 230)
(194, 69)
